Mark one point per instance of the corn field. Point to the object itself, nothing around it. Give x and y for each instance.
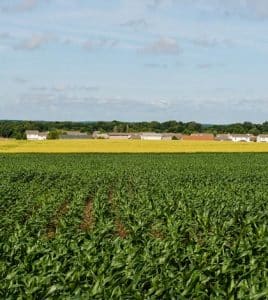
(134, 226)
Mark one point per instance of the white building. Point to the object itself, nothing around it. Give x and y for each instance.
(151, 136)
(119, 136)
(99, 135)
(241, 137)
(171, 136)
(223, 137)
(35, 135)
(262, 138)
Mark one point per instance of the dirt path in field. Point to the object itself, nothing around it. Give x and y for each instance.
(53, 224)
(119, 226)
(88, 217)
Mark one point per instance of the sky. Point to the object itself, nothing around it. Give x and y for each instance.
(134, 60)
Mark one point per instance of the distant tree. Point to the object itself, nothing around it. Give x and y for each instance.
(53, 135)
(187, 131)
(194, 127)
(265, 127)
(255, 131)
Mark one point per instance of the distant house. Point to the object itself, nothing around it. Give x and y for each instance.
(151, 136)
(242, 137)
(169, 136)
(262, 138)
(119, 136)
(223, 137)
(135, 136)
(199, 137)
(35, 135)
(75, 135)
(99, 135)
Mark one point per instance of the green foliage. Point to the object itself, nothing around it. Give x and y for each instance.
(53, 135)
(16, 129)
(162, 226)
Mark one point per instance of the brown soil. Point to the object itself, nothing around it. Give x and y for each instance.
(119, 226)
(53, 224)
(157, 234)
(120, 229)
(88, 218)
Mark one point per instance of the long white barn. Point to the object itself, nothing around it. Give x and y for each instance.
(35, 135)
(262, 138)
(151, 136)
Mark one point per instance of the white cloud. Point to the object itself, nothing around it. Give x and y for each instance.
(20, 80)
(62, 87)
(164, 45)
(34, 42)
(4, 35)
(212, 42)
(156, 66)
(23, 5)
(136, 24)
(91, 45)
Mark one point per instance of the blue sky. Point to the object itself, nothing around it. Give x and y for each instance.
(133, 60)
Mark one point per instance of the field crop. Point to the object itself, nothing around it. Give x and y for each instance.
(140, 226)
(126, 146)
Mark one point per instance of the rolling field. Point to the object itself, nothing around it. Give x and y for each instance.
(139, 226)
(126, 146)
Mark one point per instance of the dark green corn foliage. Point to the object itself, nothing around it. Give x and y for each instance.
(139, 226)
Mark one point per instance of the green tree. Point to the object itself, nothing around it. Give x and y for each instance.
(53, 135)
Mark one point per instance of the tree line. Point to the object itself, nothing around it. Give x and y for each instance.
(16, 129)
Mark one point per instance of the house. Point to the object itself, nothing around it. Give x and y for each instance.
(262, 138)
(99, 135)
(199, 137)
(171, 136)
(151, 136)
(223, 137)
(119, 136)
(35, 135)
(75, 135)
(242, 137)
(135, 136)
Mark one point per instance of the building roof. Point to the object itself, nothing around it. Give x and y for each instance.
(247, 135)
(78, 133)
(171, 134)
(263, 135)
(223, 136)
(119, 134)
(151, 134)
(43, 134)
(32, 132)
(202, 135)
(199, 137)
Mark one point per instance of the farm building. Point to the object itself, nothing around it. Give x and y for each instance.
(135, 136)
(35, 135)
(198, 137)
(262, 138)
(119, 136)
(151, 136)
(242, 137)
(99, 135)
(223, 137)
(170, 136)
(75, 135)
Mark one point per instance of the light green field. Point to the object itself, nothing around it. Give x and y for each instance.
(123, 146)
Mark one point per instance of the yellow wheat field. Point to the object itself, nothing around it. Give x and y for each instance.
(130, 146)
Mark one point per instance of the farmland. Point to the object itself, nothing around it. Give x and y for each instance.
(126, 146)
(140, 226)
